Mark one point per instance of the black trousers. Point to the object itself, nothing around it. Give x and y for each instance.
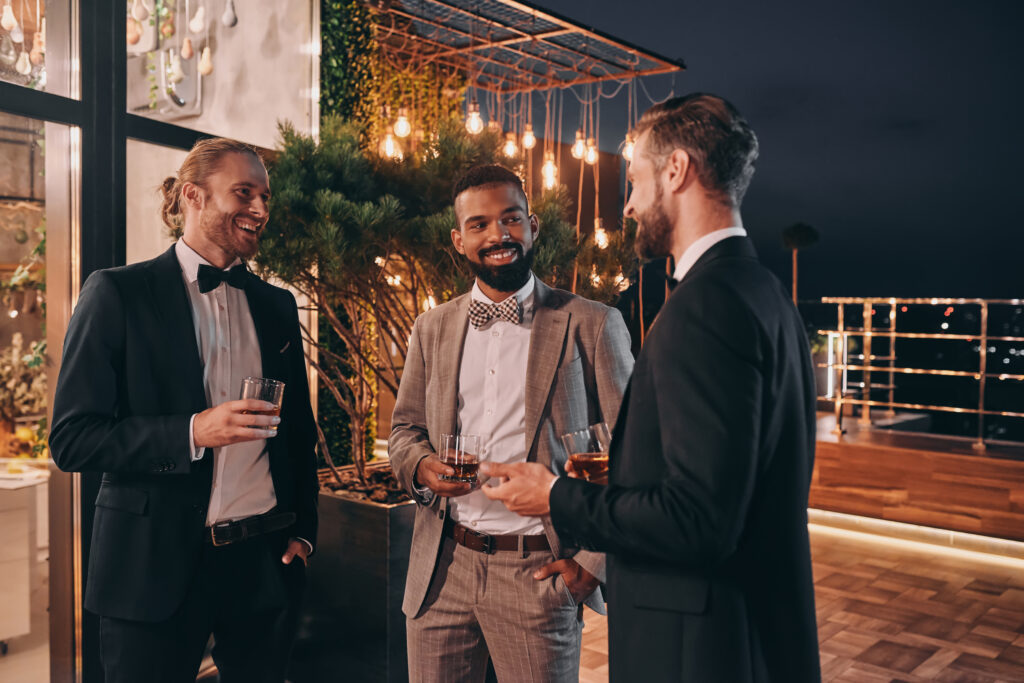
(243, 595)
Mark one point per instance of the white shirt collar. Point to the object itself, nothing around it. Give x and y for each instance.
(524, 295)
(190, 260)
(698, 249)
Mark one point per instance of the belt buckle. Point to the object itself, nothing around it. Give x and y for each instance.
(213, 534)
(487, 540)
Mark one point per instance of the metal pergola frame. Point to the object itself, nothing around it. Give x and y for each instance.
(509, 46)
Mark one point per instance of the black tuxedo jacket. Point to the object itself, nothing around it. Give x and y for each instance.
(705, 519)
(130, 380)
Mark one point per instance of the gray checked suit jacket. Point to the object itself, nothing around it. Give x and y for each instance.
(579, 364)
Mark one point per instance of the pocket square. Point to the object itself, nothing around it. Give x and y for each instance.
(285, 347)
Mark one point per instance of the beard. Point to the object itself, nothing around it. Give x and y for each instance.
(508, 278)
(219, 229)
(654, 230)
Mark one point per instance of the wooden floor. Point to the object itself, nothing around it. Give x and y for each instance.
(892, 614)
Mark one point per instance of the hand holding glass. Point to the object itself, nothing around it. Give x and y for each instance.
(461, 452)
(588, 452)
(262, 389)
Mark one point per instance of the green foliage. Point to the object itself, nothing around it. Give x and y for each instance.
(349, 64)
(360, 85)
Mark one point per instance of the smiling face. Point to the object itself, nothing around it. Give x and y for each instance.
(496, 233)
(226, 215)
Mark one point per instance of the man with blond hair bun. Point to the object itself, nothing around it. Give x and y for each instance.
(207, 509)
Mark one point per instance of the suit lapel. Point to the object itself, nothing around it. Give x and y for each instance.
(450, 340)
(170, 301)
(266, 322)
(547, 345)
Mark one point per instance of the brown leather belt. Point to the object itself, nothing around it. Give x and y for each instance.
(225, 533)
(485, 543)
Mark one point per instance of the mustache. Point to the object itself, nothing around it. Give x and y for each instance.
(501, 247)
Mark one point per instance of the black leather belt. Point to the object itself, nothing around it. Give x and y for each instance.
(225, 533)
(485, 543)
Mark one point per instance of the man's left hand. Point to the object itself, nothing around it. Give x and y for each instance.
(525, 489)
(296, 548)
(579, 581)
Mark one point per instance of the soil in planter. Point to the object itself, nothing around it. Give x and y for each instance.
(381, 485)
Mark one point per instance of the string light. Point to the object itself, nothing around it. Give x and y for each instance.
(590, 156)
(510, 149)
(579, 148)
(430, 303)
(389, 147)
(529, 139)
(627, 148)
(474, 123)
(600, 234)
(549, 172)
(402, 125)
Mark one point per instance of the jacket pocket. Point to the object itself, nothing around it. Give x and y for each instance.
(134, 501)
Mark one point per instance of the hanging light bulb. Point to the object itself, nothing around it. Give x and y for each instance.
(402, 125)
(549, 172)
(627, 148)
(474, 123)
(529, 139)
(590, 156)
(579, 148)
(8, 22)
(510, 149)
(389, 146)
(600, 234)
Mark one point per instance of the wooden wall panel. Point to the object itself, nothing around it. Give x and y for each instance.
(928, 481)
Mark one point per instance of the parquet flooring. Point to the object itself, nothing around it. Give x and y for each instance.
(896, 615)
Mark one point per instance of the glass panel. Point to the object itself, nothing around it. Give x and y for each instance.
(35, 267)
(192, 65)
(147, 166)
(35, 45)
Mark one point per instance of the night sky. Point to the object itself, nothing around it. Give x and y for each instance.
(892, 127)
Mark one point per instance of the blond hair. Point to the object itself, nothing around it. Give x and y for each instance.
(202, 161)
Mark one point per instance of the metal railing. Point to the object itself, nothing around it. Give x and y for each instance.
(839, 365)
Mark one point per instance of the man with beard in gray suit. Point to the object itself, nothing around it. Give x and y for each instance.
(518, 364)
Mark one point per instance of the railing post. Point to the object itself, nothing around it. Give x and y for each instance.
(979, 445)
(869, 324)
(892, 357)
(840, 369)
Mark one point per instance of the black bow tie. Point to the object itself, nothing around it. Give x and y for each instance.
(210, 277)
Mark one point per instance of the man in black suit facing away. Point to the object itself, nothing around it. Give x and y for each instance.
(205, 515)
(704, 519)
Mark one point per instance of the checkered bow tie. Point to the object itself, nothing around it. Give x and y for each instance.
(481, 313)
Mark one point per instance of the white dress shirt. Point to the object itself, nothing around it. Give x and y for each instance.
(492, 405)
(230, 351)
(698, 248)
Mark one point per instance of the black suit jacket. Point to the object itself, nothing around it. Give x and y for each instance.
(705, 519)
(130, 380)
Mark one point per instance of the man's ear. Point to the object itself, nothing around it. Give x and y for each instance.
(677, 170)
(457, 241)
(534, 225)
(193, 195)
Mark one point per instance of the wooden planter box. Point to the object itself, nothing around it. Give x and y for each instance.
(352, 626)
